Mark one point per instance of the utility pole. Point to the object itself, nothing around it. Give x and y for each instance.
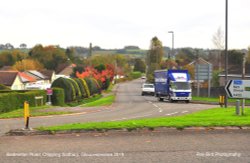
(90, 53)
(226, 51)
(243, 77)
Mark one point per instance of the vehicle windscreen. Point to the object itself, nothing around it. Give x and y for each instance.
(181, 85)
(148, 86)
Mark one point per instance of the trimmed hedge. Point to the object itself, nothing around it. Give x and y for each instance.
(69, 90)
(58, 97)
(81, 87)
(14, 100)
(93, 88)
(76, 88)
(86, 88)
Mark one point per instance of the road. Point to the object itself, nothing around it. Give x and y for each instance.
(139, 147)
(129, 104)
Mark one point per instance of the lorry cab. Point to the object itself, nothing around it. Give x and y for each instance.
(173, 85)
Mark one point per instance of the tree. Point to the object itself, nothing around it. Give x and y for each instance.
(23, 46)
(218, 41)
(139, 65)
(28, 64)
(154, 57)
(49, 56)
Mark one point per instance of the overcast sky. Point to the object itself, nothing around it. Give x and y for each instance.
(117, 23)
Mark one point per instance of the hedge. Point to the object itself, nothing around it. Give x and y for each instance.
(81, 87)
(76, 88)
(58, 97)
(86, 88)
(69, 90)
(14, 100)
(3, 87)
(93, 89)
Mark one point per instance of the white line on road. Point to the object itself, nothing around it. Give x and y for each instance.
(184, 111)
(132, 117)
(171, 113)
(160, 110)
(156, 105)
(150, 102)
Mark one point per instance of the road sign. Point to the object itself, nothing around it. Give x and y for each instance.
(203, 72)
(238, 88)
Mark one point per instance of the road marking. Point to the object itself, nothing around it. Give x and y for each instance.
(171, 113)
(160, 110)
(155, 105)
(184, 111)
(150, 102)
(146, 115)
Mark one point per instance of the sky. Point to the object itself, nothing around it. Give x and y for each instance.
(117, 23)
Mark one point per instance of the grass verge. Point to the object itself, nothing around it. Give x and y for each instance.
(214, 99)
(206, 118)
(101, 102)
(34, 111)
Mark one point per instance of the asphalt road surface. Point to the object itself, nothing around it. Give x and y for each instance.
(172, 146)
(129, 104)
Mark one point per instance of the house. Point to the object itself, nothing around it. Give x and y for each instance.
(65, 70)
(42, 79)
(11, 79)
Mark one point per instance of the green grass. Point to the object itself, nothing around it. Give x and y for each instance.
(85, 101)
(101, 102)
(214, 99)
(34, 111)
(206, 118)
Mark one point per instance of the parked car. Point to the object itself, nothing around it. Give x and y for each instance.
(148, 89)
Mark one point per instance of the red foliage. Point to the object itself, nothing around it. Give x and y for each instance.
(101, 76)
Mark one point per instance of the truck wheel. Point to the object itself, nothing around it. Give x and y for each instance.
(142, 93)
(187, 101)
(160, 99)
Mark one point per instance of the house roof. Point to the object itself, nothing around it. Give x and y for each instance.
(36, 75)
(47, 73)
(200, 61)
(8, 77)
(25, 77)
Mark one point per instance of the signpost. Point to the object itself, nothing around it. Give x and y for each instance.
(49, 94)
(238, 89)
(203, 72)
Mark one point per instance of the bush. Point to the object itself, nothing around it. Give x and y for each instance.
(69, 90)
(14, 100)
(3, 87)
(92, 84)
(76, 88)
(58, 97)
(135, 74)
(81, 86)
(86, 88)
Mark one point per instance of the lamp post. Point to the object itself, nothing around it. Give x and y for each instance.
(226, 51)
(172, 44)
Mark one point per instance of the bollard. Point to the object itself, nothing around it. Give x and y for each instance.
(237, 111)
(221, 100)
(26, 114)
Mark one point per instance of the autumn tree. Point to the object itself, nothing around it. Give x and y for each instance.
(49, 56)
(9, 58)
(154, 57)
(28, 64)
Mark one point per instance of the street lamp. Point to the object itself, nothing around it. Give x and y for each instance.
(172, 43)
(226, 49)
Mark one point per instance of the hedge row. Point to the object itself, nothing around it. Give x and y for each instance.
(75, 89)
(14, 100)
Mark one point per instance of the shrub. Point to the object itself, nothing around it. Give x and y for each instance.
(4, 87)
(93, 85)
(14, 100)
(135, 75)
(58, 97)
(86, 88)
(69, 90)
(76, 88)
(81, 86)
